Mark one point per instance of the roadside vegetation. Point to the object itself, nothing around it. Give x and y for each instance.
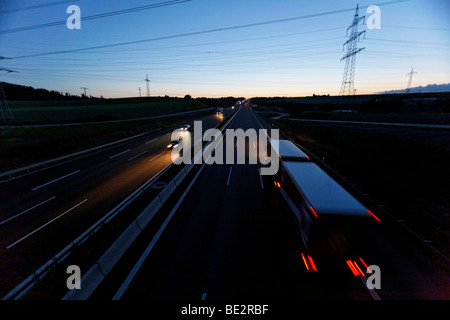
(93, 123)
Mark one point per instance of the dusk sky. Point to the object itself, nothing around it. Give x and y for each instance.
(260, 50)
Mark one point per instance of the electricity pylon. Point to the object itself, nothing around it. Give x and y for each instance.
(347, 86)
(5, 112)
(84, 88)
(148, 87)
(410, 74)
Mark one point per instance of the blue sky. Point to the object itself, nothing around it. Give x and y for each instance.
(296, 57)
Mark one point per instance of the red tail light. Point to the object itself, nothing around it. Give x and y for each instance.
(313, 266)
(304, 261)
(352, 268)
(313, 211)
(309, 263)
(365, 265)
(378, 219)
(359, 269)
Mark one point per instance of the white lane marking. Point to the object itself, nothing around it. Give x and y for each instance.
(140, 154)
(62, 255)
(260, 178)
(141, 260)
(156, 157)
(265, 130)
(204, 296)
(150, 141)
(44, 225)
(116, 155)
(19, 214)
(229, 176)
(45, 184)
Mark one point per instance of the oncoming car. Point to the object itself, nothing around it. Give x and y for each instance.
(174, 143)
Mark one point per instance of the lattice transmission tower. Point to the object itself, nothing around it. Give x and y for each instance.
(410, 74)
(347, 86)
(5, 112)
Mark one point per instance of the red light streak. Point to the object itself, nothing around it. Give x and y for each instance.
(304, 260)
(313, 211)
(365, 265)
(359, 269)
(313, 266)
(352, 268)
(378, 219)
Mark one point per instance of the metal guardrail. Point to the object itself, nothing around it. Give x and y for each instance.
(98, 272)
(51, 162)
(21, 289)
(383, 124)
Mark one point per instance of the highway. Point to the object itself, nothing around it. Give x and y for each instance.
(230, 236)
(233, 238)
(45, 210)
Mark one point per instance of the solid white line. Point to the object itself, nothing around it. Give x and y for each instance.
(140, 154)
(45, 184)
(60, 256)
(141, 260)
(19, 214)
(46, 224)
(150, 141)
(229, 176)
(265, 130)
(116, 155)
(260, 178)
(156, 157)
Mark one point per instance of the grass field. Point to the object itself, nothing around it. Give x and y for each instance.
(404, 169)
(97, 110)
(21, 145)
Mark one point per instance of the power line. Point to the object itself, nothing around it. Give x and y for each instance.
(180, 35)
(97, 16)
(37, 6)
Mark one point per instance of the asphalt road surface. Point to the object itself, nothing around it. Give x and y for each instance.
(43, 211)
(232, 238)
